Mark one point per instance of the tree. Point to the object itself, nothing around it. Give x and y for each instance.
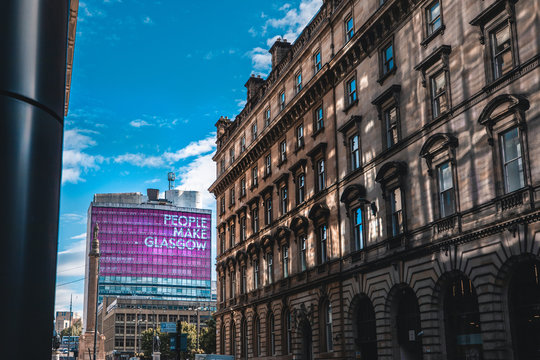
(147, 343)
(208, 337)
(191, 331)
(74, 330)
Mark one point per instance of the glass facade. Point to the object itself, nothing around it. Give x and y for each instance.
(163, 254)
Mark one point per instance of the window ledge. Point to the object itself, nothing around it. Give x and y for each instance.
(350, 106)
(317, 132)
(298, 148)
(266, 176)
(433, 35)
(281, 163)
(494, 83)
(382, 78)
(253, 187)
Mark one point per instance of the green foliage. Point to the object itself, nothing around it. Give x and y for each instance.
(74, 330)
(208, 337)
(147, 342)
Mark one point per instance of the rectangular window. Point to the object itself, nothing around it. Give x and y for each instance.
(243, 187)
(242, 144)
(231, 155)
(349, 29)
(433, 16)
(243, 284)
(439, 104)
(223, 284)
(254, 176)
(285, 260)
(301, 189)
(298, 85)
(300, 136)
(354, 152)
(222, 166)
(267, 117)
(351, 91)
(222, 205)
(255, 219)
(512, 160)
(501, 47)
(321, 177)
(268, 211)
(284, 200)
(254, 131)
(268, 165)
(303, 252)
(222, 241)
(256, 274)
(319, 118)
(283, 151)
(446, 189)
(281, 100)
(323, 233)
(270, 267)
(232, 197)
(317, 62)
(387, 57)
(232, 235)
(358, 229)
(233, 284)
(243, 229)
(396, 207)
(391, 122)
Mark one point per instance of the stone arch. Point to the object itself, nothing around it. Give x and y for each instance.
(353, 192)
(363, 323)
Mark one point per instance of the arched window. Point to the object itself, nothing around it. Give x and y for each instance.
(326, 326)
(462, 320)
(271, 335)
(244, 339)
(366, 334)
(287, 332)
(524, 303)
(233, 339)
(258, 335)
(222, 340)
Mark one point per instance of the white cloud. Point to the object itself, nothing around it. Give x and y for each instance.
(73, 218)
(139, 123)
(74, 160)
(261, 59)
(199, 175)
(153, 181)
(78, 237)
(147, 20)
(63, 296)
(194, 148)
(71, 261)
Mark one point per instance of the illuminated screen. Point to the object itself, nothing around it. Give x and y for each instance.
(153, 243)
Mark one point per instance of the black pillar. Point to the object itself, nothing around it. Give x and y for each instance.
(33, 40)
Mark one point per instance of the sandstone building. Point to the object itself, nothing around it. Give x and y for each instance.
(378, 195)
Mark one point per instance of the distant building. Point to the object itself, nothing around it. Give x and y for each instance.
(63, 320)
(159, 248)
(123, 319)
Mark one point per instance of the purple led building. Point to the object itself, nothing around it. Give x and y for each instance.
(151, 247)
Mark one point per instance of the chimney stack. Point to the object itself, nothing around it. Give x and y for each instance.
(253, 84)
(152, 194)
(279, 51)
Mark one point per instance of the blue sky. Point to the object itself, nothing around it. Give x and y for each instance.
(150, 80)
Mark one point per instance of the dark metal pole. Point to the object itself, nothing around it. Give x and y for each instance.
(33, 44)
(97, 302)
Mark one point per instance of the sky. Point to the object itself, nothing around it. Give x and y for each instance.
(150, 80)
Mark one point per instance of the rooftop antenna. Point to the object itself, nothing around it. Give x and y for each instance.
(171, 177)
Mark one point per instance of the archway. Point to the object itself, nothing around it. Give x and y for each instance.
(306, 340)
(365, 330)
(407, 320)
(524, 309)
(462, 320)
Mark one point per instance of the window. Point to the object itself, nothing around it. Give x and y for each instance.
(222, 166)
(354, 152)
(349, 28)
(300, 136)
(501, 48)
(387, 57)
(268, 165)
(272, 334)
(222, 241)
(351, 91)
(287, 349)
(231, 154)
(267, 117)
(358, 231)
(233, 339)
(298, 85)
(512, 160)
(268, 211)
(243, 284)
(391, 126)
(283, 199)
(319, 119)
(258, 336)
(254, 177)
(243, 230)
(300, 188)
(396, 207)
(283, 151)
(323, 233)
(242, 144)
(255, 219)
(281, 100)
(223, 284)
(233, 284)
(328, 327)
(321, 178)
(244, 335)
(243, 187)
(317, 64)
(232, 235)
(303, 253)
(232, 197)
(256, 274)
(222, 205)
(285, 260)
(254, 131)
(270, 268)
(446, 189)
(433, 16)
(439, 103)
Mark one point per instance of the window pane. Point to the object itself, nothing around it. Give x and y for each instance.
(502, 37)
(445, 177)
